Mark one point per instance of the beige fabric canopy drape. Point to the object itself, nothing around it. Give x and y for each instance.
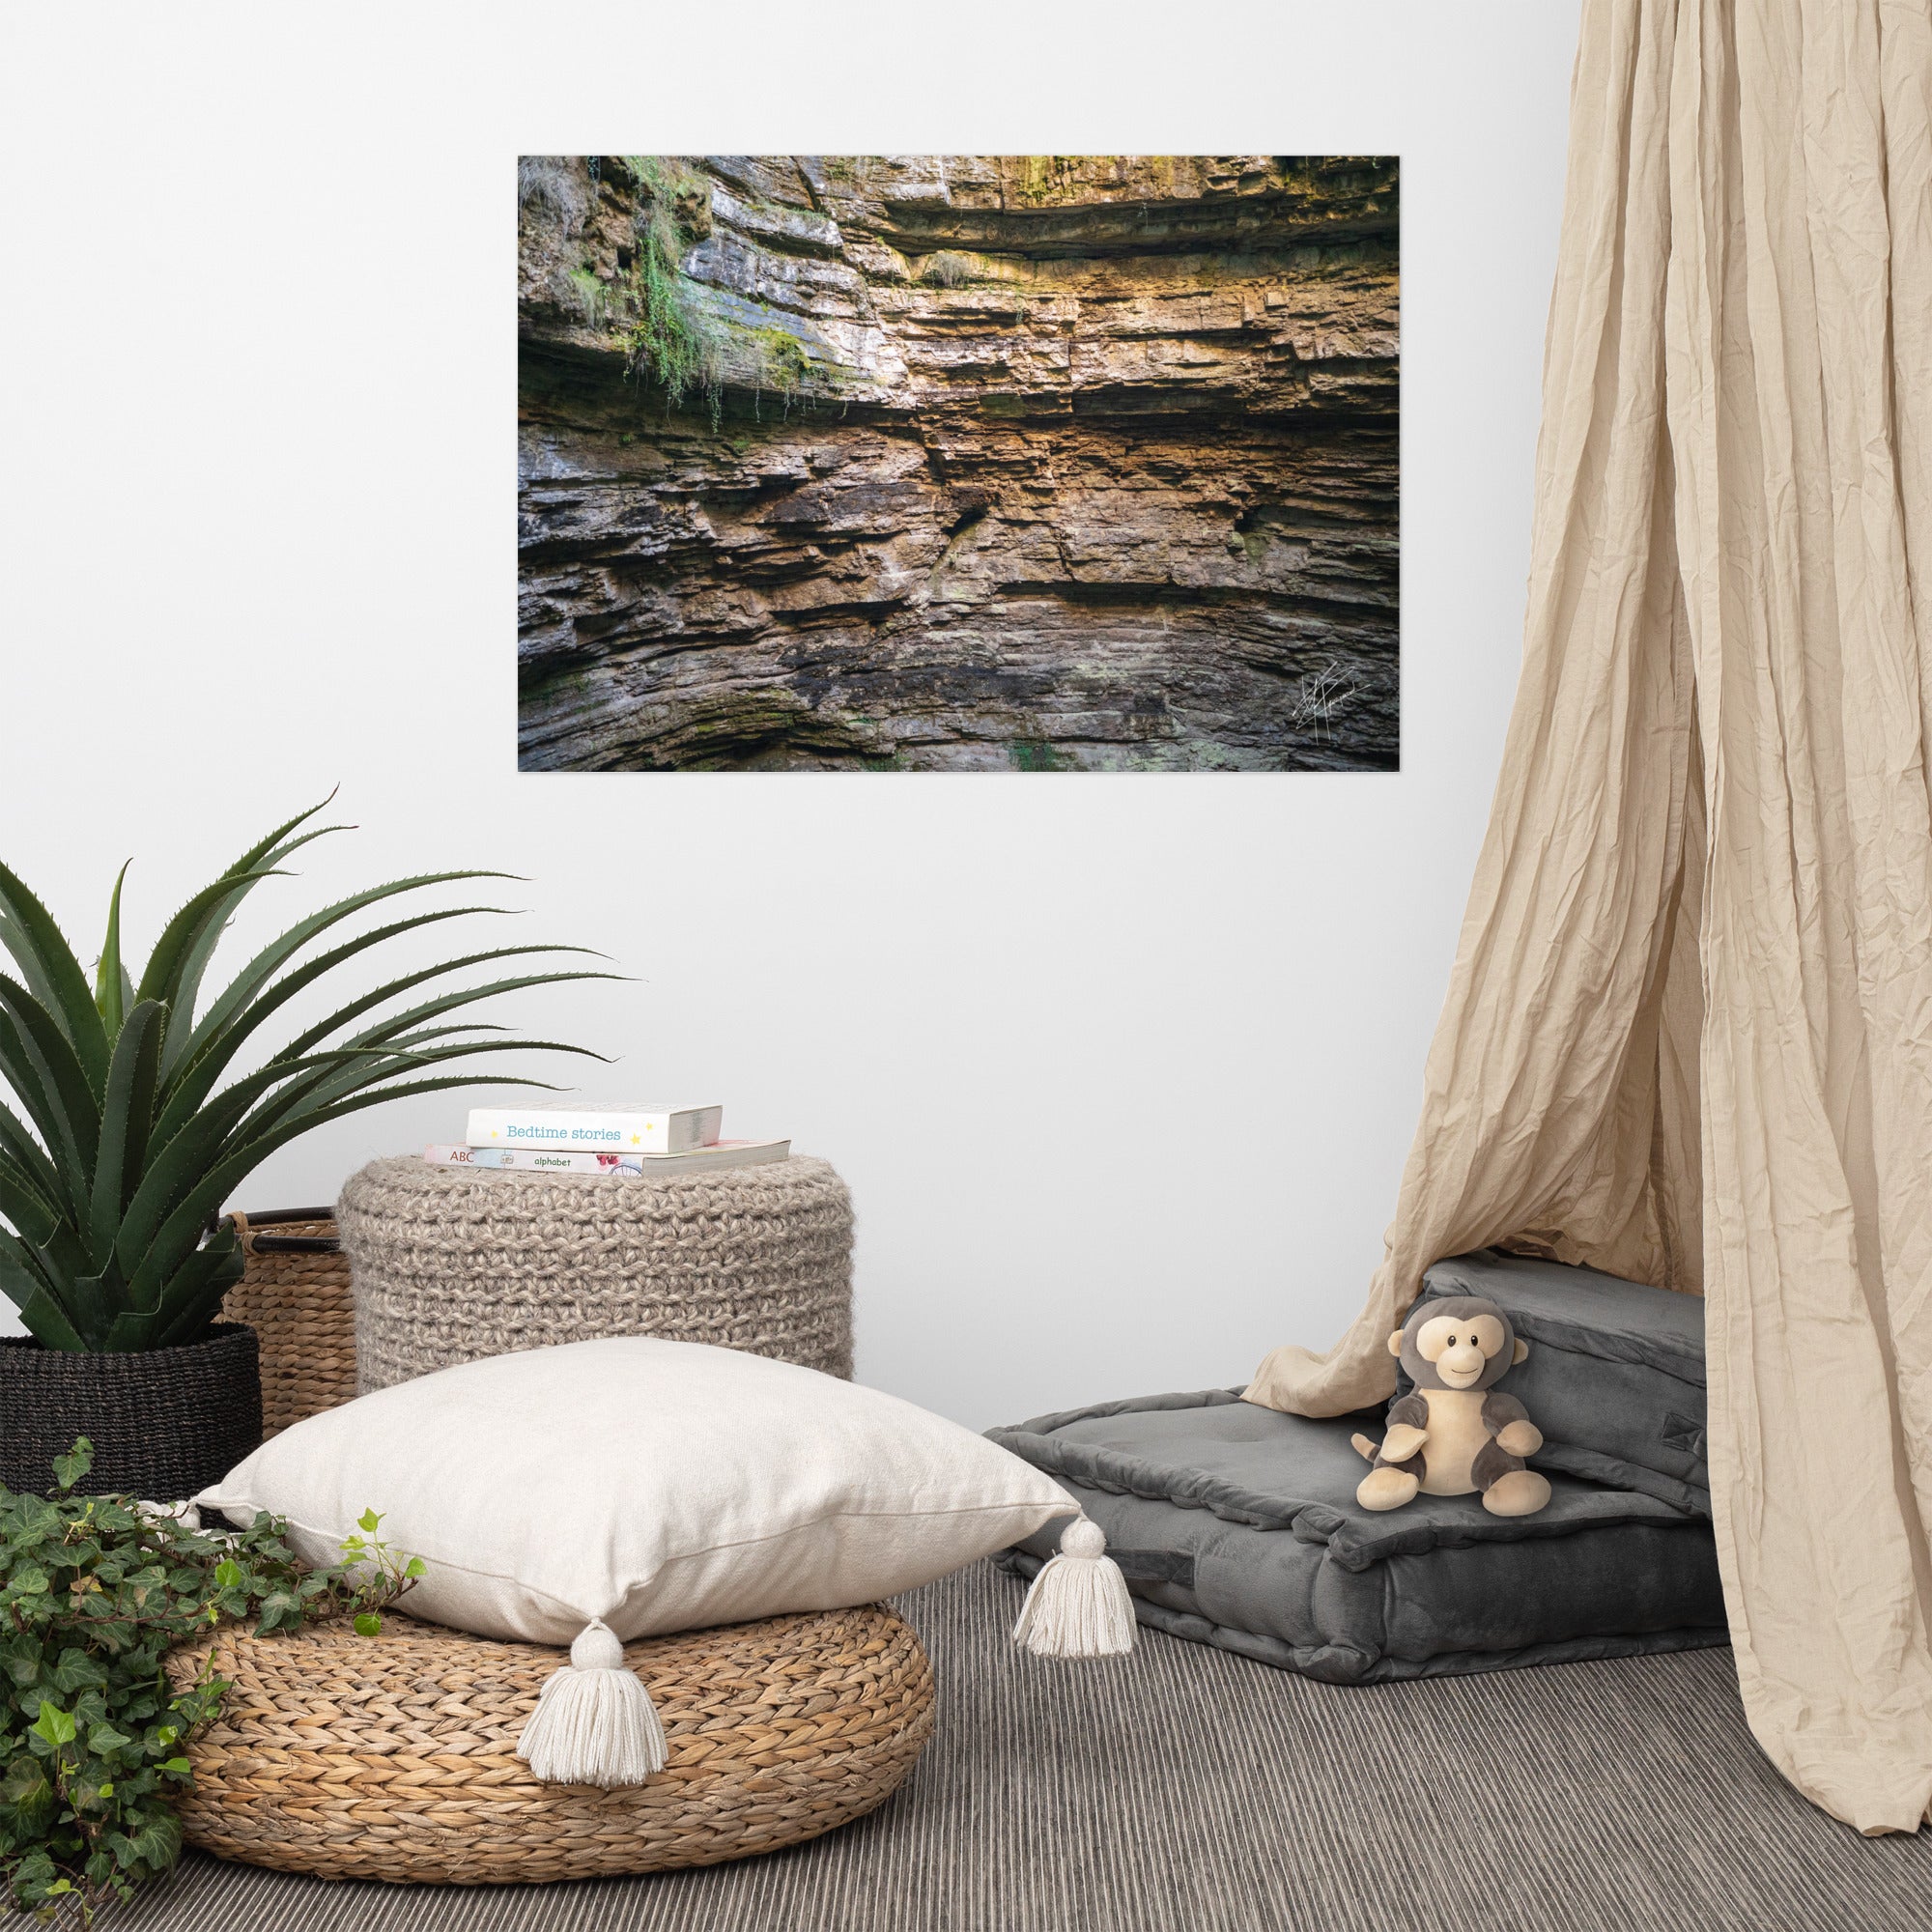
(1689, 1033)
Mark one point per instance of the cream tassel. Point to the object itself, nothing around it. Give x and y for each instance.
(1078, 1605)
(594, 1722)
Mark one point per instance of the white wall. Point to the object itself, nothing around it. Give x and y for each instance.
(1122, 1069)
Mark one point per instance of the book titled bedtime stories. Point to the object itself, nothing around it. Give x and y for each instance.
(596, 1129)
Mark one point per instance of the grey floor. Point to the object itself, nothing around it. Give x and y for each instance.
(1188, 1791)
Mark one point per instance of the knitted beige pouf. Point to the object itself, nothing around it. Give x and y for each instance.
(453, 1264)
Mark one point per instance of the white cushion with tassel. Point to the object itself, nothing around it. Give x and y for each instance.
(604, 1491)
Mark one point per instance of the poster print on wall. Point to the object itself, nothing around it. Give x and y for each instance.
(958, 463)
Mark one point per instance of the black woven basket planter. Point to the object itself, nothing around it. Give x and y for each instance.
(165, 1422)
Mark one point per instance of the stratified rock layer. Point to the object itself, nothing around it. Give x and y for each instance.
(988, 463)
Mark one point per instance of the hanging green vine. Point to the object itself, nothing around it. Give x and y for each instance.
(671, 341)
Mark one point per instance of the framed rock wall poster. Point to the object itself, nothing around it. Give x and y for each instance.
(988, 463)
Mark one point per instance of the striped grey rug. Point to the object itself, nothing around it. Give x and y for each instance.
(1188, 1791)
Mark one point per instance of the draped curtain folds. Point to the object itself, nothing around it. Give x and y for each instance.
(1688, 1031)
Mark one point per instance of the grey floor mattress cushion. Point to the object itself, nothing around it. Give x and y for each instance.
(1238, 1526)
(1615, 1373)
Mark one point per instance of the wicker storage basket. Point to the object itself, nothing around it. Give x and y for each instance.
(394, 1756)
(296, 1297)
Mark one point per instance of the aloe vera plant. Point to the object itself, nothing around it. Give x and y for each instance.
(124, 1141)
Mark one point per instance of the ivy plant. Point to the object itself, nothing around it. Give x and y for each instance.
(95, 1591)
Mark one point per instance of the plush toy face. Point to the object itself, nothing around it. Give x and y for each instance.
(1457, 1342)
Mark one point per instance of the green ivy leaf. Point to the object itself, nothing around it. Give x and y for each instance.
(21, 1661)
(24, 1783)
(35, 1876)
(155, 1844)
(69, 1468)
(368, 1522)
(53, 1726)
(176, 1767)
(84, 1794)
(368, 1624)
(415, 1568)
(74, 1671)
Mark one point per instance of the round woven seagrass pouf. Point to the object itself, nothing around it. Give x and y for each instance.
(453, 1264)
(394, 1756)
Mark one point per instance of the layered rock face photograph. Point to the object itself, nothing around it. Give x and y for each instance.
(958, 463)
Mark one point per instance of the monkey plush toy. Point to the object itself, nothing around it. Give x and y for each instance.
(1455, 1434)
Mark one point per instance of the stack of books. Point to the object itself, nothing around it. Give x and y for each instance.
(614, 1140)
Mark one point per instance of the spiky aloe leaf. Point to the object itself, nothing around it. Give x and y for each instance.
(46, 1321)
(27, 1285)
(42, 1066)
(22, 1203)
(96, 1302)
(110, 977)
(19, 1068)
(262, 860)
(443, 1003)
(272, 958)
(161, 978)
(198, 1145)
(193, 1294)
(47, 1270)
(213, 1047)
(126, 1113)
(190, 1299)
(321, 1090)
(24, 1152)
(48, 965)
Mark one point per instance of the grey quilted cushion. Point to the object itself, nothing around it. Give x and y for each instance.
(1237, 1526)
